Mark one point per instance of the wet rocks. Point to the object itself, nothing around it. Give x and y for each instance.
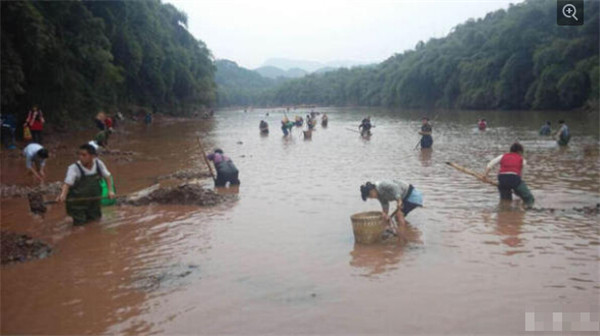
(36, 203)
(586, 210)
(589, 210)
(165, 278)
(22, 191)
(19, 248)
(184, 194)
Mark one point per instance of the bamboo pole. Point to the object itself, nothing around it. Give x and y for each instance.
(206, 160)
(467, 171)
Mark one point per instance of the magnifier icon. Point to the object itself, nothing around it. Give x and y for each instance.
(569, 11)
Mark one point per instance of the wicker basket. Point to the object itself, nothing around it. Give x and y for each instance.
(367, 227)
(307, 134)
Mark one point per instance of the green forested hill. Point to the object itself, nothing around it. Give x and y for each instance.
(73, 58)
(511, 59)
(239, 86)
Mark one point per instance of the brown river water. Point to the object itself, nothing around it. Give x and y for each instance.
(281, 258)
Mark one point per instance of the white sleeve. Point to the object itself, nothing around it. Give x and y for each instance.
(28, 162)
(494, 162)
(103, 170)
(72, 175)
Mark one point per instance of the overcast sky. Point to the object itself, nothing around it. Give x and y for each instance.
(250, 32)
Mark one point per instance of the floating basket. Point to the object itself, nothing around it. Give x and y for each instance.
(307, 134)
(368, 227)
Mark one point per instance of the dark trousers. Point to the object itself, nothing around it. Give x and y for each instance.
(223, 178)
(408, 207)
(426, 141)
(36, 136)
(507, 183)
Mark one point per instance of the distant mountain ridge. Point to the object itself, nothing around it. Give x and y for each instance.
(275, 72)
(309, 66)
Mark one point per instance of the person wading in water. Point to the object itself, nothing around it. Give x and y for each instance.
(83, 181)
(407, 198)
(425, 132)
(365, 127)
(226, 170)
(509, 176)
(546, 129)
(562, 136)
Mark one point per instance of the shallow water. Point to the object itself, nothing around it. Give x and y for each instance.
(281, 258)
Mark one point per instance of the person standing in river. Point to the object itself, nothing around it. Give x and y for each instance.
(562, 136)
(405, 195)
(83, 181)
(425, 132)
(226, 170)
(35, 160)
(509, 176)
(482, 125)
(546, 129)
(35, 121)
(365, 127)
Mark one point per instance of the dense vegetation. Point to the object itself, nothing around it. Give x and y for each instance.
(74, 58)
(238, 86)
(512, 59)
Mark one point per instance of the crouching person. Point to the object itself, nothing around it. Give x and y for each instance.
(83, 182)
(406, 197)
(226, 170)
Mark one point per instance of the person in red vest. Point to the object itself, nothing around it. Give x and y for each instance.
(509, 176)
(35, 121)
(482, 124)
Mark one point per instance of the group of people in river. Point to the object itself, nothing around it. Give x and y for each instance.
(88, 183)
(407, 197)
(287, 125)
(88, 179)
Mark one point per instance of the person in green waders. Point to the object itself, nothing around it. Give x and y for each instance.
(83, 181)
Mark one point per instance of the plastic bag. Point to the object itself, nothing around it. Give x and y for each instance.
(26, 133)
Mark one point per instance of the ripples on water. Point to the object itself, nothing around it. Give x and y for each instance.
(282, 257)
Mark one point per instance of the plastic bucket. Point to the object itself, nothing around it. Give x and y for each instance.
(368, 227)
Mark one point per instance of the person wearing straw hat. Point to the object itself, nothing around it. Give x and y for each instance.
(406, 196)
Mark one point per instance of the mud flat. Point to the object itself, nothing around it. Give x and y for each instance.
(7, 191)
(16, 247)
(183, 194)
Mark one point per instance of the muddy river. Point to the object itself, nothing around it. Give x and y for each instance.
(281, 257)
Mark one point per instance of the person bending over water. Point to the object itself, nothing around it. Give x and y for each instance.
(226, 170)
(35, 160)
(509, 176)
(406, 196)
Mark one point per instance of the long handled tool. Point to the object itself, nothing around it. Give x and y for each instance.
(37, 204)
(467, 171)
(212, 173)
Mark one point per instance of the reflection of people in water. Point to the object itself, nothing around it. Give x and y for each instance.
(508, 225)
(425, 157)
(380, 258)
